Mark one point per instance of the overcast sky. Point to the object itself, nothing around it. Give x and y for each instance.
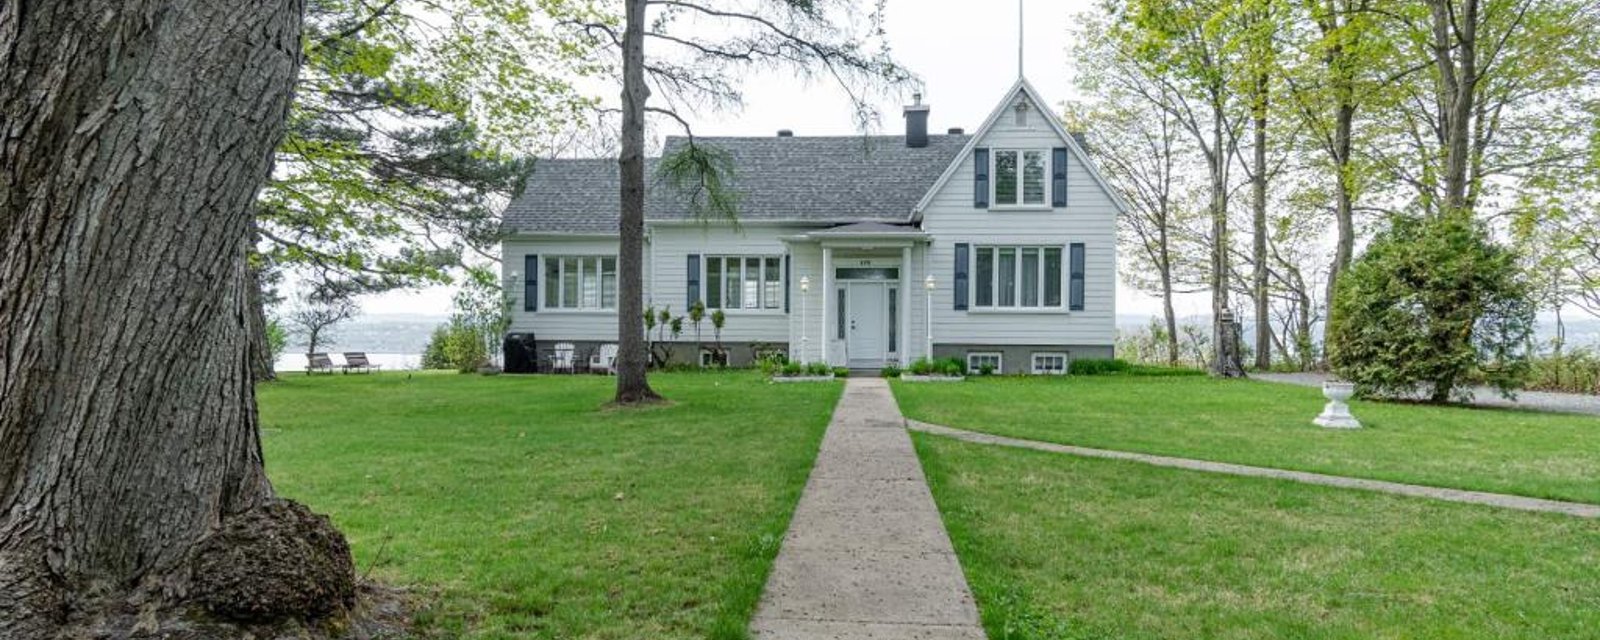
(965, 52)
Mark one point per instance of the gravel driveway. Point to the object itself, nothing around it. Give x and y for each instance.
(1481, 396)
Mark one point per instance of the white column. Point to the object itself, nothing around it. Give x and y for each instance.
(827, 297)
(906, 282)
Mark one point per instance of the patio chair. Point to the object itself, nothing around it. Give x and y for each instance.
(561, 359)
(318, 362)
(604, 360)
(357, 361)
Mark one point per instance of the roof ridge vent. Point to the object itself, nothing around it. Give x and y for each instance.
(785, 133)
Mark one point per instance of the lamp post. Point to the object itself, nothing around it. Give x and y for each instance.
(930, 284)
(805, 340)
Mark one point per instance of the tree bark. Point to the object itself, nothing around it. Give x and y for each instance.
(1258, 185)
(633, 384)
(1168, 313)
(136, 136)
(1333, 24)
(1221, 363)
(1455, 54)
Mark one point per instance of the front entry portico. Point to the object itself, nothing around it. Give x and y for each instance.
(859, 278)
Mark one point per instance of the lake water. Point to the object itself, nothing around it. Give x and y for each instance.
(290, 362)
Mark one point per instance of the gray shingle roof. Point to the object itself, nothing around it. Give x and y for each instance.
(817, 179)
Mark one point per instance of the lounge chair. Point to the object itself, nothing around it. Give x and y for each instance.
(561, 359)
(604, 359)
(357, 361)
(318, 362)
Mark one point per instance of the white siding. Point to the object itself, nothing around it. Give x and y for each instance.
(666, 281)
(558, 324)
(673, 245)
(1089, 218)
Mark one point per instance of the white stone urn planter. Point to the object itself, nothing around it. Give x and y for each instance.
(1336, 415)
(827, 378)
(906, 377)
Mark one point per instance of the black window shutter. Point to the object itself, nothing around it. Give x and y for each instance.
(1058, 169)
(960, 283)
(786, 283)
(530, 283)
(980, 179)
(1075, 296)
(694, 280)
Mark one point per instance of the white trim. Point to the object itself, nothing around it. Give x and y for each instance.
(1022, 181)
(1066, 363)
(999, 360)
(558, 286)
(1043, 276)
(1055, 123)
(761, 297)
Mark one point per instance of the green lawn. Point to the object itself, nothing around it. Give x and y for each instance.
(1266, 424)
(524, 510)
(1057, 547)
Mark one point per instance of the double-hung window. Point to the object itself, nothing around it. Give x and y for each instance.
(1017, 277)
(1021, 177)
(743, 282)
(580, 282)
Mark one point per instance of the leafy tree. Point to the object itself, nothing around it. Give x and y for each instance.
(1433, 302)
(131, 481)
(1145, 155)
(277, 339)
(1193, 53)
(396, 155)
(471, 339)
(408, 119)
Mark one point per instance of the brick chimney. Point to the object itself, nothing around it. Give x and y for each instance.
(917, 123)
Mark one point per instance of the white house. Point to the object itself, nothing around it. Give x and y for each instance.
(845, 246)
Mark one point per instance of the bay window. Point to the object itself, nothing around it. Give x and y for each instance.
(1017, 277)
(744, 282)
(1020, 177)
(580, 282)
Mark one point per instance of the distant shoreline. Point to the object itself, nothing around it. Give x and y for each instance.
(295, 360)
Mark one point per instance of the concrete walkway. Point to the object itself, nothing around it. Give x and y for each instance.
(1481, 396)
(866, 556)
(1579, 509)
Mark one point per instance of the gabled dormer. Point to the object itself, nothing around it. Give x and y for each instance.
(1020, 160)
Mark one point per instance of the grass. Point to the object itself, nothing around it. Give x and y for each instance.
(526, 510)
(1059, 548)
(1258, 423)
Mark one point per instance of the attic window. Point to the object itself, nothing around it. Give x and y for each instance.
(1019, 177)
(1022, 113)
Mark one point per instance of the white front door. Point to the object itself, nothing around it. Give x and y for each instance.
(867, 331)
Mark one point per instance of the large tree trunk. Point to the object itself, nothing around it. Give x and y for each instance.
(1343, 211)
(1169, 315)
(1456, 56)
(135, 136)
(1258, 185)
(633, 385)
(1221, 362)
